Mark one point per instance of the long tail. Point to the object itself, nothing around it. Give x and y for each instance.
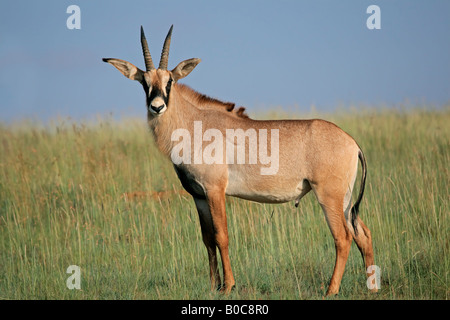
(355, 208)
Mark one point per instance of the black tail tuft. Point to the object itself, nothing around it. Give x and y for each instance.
(355, 208)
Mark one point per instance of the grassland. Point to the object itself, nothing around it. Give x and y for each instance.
(85, 194)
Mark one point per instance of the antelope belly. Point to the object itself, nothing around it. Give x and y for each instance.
(266, 189)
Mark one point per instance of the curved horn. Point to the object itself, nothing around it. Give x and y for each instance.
(147, 57)
(165, 52)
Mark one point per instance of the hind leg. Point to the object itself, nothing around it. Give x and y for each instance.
(362, 237)
(331, 202)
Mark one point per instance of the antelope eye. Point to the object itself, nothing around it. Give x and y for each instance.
(168, 86)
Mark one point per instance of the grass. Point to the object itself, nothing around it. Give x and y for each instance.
(62, 203)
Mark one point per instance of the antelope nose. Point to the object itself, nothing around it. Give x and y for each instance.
(157, 109)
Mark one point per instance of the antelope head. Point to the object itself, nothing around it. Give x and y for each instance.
(157, 83)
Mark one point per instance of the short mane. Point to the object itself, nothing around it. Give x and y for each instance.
(203, 101)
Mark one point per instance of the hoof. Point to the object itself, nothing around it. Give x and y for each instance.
(331, 293)
(222, 288)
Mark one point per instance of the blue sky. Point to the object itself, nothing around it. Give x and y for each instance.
(259, 54)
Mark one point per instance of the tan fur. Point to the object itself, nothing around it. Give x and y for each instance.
(207, 103)
(315, 151)
(313, 155)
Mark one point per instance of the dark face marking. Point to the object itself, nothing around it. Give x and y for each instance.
(168, 87)
(155, 91)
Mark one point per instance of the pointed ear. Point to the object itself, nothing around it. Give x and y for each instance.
(184, 68)
(129, 70)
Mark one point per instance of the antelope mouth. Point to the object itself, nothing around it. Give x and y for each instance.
(157, 111)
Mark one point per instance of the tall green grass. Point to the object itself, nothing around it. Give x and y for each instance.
(62, 203)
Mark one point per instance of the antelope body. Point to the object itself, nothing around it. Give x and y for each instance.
(312, 155)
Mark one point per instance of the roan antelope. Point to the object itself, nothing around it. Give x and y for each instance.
(312, 155)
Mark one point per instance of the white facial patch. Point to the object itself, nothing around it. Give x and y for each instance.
(157, 106)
